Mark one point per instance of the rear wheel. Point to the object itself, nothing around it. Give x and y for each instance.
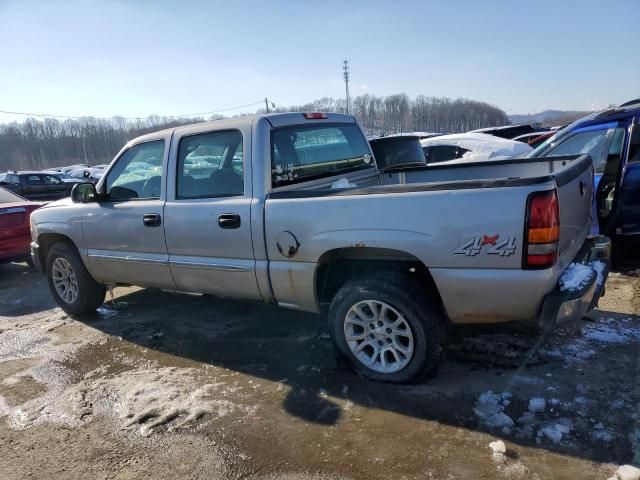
(387, 329)
(71, 285)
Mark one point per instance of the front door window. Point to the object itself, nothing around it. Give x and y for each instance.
(137, 173)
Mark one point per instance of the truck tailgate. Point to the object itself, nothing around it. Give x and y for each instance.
(575, 192)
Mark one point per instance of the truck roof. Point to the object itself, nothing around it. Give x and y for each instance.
(275, 119)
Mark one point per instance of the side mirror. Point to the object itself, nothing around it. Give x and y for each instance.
(84, 193)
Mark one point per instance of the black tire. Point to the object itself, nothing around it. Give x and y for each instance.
(90, 293)
(418, 308)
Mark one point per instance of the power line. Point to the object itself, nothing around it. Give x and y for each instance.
(46, 115)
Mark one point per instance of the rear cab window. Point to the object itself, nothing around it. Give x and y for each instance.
(302, 153)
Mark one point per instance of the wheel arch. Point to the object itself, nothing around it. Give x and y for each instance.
(336, 267)
(48, 240)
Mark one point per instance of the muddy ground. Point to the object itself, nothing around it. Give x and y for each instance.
(163, 385)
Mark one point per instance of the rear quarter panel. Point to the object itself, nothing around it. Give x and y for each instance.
(456, 233)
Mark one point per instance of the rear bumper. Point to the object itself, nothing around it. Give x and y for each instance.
(566, 305)
(35, 257)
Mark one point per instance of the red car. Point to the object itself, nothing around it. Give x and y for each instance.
(15, 234)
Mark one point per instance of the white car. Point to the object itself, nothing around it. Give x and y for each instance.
(471, 147)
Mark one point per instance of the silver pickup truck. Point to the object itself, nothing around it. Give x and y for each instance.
(291, 209)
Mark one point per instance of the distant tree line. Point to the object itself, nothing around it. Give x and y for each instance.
(39, 144)
(399, 113)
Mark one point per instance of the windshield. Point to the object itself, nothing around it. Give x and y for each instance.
(537, 152)
(307, 152)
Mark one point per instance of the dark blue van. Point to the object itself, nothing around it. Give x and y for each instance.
(612, 138)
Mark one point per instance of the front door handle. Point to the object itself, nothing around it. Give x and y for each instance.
(152, 220)
(229, 220)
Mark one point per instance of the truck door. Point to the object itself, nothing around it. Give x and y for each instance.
(124, 232)
(595, 141)
(607, 190)
(207, 215)
(628, 221)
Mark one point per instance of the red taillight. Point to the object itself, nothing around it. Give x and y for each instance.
(315, 116)
(542, 231)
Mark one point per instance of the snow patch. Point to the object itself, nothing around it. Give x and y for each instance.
(575, 277)
(612, 331)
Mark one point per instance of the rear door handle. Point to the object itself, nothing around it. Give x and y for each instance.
(152, 220)
(229, 220)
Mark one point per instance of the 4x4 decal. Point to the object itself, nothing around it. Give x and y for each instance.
(473, 247)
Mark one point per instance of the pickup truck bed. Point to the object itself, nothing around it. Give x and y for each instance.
(291, 209)
(449, 205)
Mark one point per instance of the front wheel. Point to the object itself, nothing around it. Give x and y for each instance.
(387, 329)
(71, 285)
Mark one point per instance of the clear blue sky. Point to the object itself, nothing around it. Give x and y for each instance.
(135, 58)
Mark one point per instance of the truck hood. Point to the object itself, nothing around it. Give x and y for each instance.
(64, 202)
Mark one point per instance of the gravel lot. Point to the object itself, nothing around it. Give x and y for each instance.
(164, 385)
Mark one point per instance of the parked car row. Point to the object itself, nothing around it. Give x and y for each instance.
(50, 184)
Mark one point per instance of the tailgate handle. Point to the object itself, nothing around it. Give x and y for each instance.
(151, 220)
(229, 220)
(581, 188)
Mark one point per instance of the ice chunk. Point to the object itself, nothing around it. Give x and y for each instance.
(537, 405)
(498, 420)
(551, 433)
(499, 451)
(626, 472)
(498, 447)
(575, 277)
(555, 431)
(490, 408)
(527, 418)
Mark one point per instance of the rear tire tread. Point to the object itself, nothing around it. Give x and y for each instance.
(419, 308)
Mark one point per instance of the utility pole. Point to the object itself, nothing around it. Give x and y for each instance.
(266, 104)
(345, 74)
(85, 151)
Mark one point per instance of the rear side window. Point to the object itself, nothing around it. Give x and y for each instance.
(210, 165)
(34, 180)
(306, 152)
(51, 180)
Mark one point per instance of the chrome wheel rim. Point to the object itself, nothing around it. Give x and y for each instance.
(64, 280)
(379, 336)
